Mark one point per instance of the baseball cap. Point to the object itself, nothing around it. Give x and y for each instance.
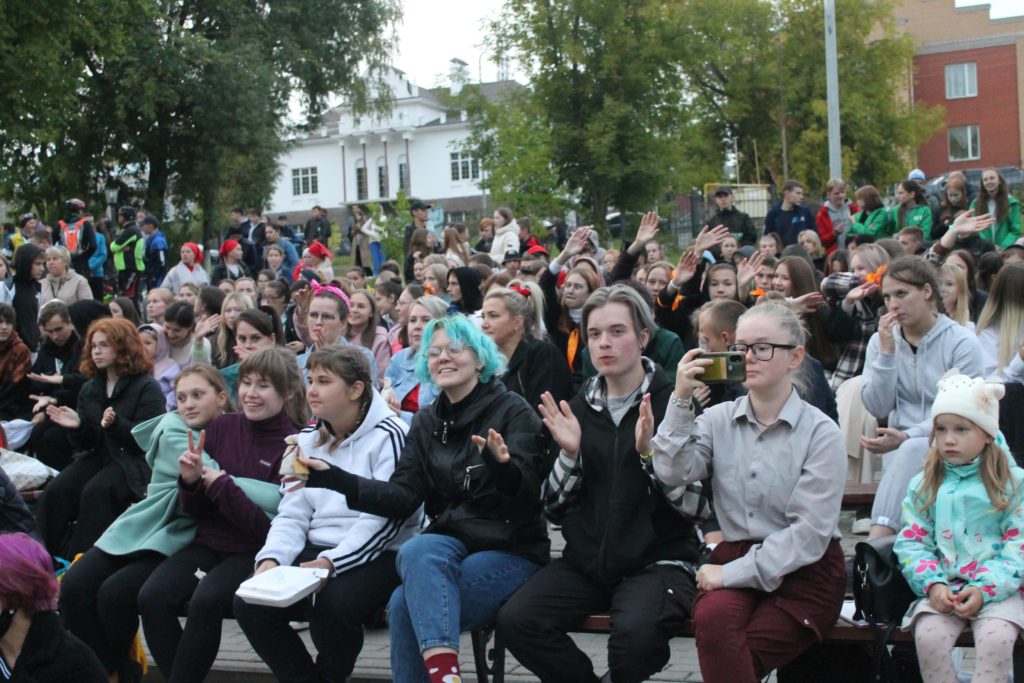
(723, 189)
(511, 255)
(418, 204)
(916, 174)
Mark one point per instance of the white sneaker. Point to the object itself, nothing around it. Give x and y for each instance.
(862, 527)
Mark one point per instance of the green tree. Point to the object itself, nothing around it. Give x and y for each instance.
(766, 82)
(191, 98)
(605, 101)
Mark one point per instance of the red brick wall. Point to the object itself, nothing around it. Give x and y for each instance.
(995, 108)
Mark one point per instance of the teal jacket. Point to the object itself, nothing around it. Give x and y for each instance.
(1007, 230)
(875, 223)
(157, 522)
(961, 540)
(920, 216)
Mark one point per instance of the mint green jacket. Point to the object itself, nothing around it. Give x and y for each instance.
(157, 522)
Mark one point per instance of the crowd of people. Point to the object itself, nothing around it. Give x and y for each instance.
(413, 428)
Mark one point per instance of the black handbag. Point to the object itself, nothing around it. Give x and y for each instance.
(882, 596)
(880, 592)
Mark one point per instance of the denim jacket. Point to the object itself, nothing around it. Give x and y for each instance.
(402, 373)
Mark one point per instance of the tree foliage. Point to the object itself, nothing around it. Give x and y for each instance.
(630, 99)
(178, 97)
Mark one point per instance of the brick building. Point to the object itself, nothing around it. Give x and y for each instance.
(973, 66)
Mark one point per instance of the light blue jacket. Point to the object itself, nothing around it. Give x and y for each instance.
(402, 373)
(98, 258)
(961, 540)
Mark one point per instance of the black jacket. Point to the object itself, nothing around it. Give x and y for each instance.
(26, 296)
(220, 272)
(619, 523)
(51, 654)
(537, 366)
(738, 223)
(136, 398)
(14, 514)
(466, 494)
(68, 358)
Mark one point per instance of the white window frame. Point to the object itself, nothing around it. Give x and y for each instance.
(305, 181)
(968, 73)
(362, 182)
(972, 154)
(464, 167)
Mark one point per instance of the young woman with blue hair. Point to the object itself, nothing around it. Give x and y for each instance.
(472, 459)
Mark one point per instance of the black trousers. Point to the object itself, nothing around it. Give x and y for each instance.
(80, 503)
(336, 621)
(645, 608)
(186, 655)
(50, 444)
(99, 601)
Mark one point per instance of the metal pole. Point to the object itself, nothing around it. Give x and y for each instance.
(835, 152)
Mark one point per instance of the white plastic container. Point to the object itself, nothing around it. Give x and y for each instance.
(281, 586)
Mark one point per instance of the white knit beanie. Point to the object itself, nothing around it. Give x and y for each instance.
(973, 398)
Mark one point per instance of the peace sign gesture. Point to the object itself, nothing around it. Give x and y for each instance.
(190, 464)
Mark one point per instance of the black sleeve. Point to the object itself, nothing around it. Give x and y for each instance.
(749, 231)
(548, 282)
(623, 269)
(149, 403)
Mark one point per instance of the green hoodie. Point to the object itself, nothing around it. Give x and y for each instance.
(1007, 230)
(875, 223)
(156, 522)
(920, 216)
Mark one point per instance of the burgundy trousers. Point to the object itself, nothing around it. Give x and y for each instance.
(744, 634)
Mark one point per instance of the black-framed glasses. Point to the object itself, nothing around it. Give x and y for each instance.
(763, 351)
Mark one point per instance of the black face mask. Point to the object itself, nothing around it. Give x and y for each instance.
(6, 617)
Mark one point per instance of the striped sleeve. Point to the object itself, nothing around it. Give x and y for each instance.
(560, 489)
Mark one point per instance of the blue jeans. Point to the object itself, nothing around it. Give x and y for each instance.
(445, 591)
(377, 253)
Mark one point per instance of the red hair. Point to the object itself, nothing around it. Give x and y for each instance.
(26, 574)
(130, 354)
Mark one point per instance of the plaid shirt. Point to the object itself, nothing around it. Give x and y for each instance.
(562, 486)
(851, 355)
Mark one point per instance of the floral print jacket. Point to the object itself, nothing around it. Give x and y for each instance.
(962, 540)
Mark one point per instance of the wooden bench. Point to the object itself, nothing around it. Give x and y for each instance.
(490, 665)
(856, 495)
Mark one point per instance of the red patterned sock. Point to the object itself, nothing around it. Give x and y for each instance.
(444, 668)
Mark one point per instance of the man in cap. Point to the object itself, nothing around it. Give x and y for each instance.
(512, 262)
(739, 223)
(418, 209)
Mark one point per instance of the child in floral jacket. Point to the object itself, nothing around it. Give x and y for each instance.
(961, 546)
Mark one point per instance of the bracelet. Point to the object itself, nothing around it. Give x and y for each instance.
(675, 400)
(646, 457)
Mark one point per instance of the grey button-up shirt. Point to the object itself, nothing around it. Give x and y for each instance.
(780, 485)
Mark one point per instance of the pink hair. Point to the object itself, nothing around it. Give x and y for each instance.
(26, 574)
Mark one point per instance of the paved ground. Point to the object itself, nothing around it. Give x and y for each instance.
(237, 662)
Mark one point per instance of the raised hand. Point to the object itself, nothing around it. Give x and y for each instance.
(648, 229)
(967, 223)
(644, 431)
(887, 440)
(207, 326)
(190, 464)
(301, 299)
(689, 369)
(561, 423)
(575, 245)
(808, 303)
(747, 269)
(686, 268)
(64, 416)
(859, 293)
(886, 336)
(495, 443)
(710, 238)
(109, 416)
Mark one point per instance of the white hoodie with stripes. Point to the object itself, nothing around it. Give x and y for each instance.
(321, 517)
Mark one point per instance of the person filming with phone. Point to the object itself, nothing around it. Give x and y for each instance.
(778, 466)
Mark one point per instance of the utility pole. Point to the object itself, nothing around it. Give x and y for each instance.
(835, 151)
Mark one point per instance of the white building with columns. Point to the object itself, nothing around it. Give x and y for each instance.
(355, 159)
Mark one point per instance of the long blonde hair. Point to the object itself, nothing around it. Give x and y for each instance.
(1002, 489)
(1005, 309)
(226, 336)
(961, 310)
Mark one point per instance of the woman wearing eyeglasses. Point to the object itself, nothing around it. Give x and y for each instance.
(778, 466)
(471, 458)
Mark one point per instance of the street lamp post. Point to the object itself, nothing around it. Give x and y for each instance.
(835, 159)
(110, 194)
